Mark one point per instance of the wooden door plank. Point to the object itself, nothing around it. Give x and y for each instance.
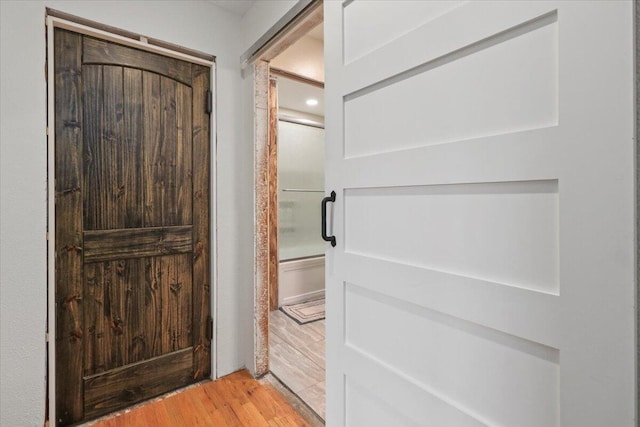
(201, 212)
(112, 202)
(68, 193)
(93, 183)
(182, 292)
(115, 283)
(171, 307)
(102, 52)
(169, 135)
(153, 306)
(98, 350)
(184, 166)
(92, 300)
(131, 155)
(106, 245)
(124, 386)
(152, 162)
(135, 340)
(165, 267)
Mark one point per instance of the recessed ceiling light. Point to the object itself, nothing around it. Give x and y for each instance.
(311, 102)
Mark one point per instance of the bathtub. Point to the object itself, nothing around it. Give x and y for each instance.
(300, 280)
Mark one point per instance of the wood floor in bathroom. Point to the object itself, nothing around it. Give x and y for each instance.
(297, 358)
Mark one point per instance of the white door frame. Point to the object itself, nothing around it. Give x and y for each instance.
(53, 22)
(636, 45)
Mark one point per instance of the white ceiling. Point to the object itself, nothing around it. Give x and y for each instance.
(293, 95)
(238, 7)
(317, 32)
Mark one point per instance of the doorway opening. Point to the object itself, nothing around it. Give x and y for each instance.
(282, 59)
(296, 291)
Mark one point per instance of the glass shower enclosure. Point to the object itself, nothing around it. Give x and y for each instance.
(300, 190)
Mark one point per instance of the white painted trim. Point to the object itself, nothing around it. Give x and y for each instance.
(94, 32)
(252, 54)
(213, 220)
(53, 22)
(302, 264)
(51, 226)
(309, 296)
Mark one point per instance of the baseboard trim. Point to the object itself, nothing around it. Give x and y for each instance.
(309, 296)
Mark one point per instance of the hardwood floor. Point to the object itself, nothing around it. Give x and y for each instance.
(296, 357)
(236, 400)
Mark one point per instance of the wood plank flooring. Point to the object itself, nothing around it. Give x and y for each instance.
(236, 400)
(296, 357)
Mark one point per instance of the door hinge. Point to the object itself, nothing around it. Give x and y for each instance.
(209, 102)
(209, 328)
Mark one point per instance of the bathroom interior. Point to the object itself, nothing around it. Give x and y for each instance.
(297, 325)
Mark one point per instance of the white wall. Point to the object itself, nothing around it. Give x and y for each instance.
(262, 16)
(23, 300)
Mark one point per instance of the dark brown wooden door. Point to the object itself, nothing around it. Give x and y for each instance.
(132, 225)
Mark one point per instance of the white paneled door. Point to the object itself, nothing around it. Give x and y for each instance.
(482, 156)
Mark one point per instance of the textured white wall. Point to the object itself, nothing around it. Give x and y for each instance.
(262, 16)
(23, 299)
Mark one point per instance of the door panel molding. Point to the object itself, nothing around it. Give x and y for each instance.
(96, 51)
(107, 390)
(107, 245)
(450, 328)
(67, 228)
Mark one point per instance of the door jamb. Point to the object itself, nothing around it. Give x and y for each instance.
(90, 28)
(636, 104)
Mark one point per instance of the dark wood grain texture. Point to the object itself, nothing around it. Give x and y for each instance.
(110, 162)
(169, 135)
(102, 52)
(105, 245)
(97, 348)
(201, 212)
(94, 183)
(153, 306)
(184, 166)
(131, 155)
(274, 258)
(153, 163)
(132, 233)
(111, 390)
(68, 247)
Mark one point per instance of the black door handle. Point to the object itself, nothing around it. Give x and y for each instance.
(331, 198)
